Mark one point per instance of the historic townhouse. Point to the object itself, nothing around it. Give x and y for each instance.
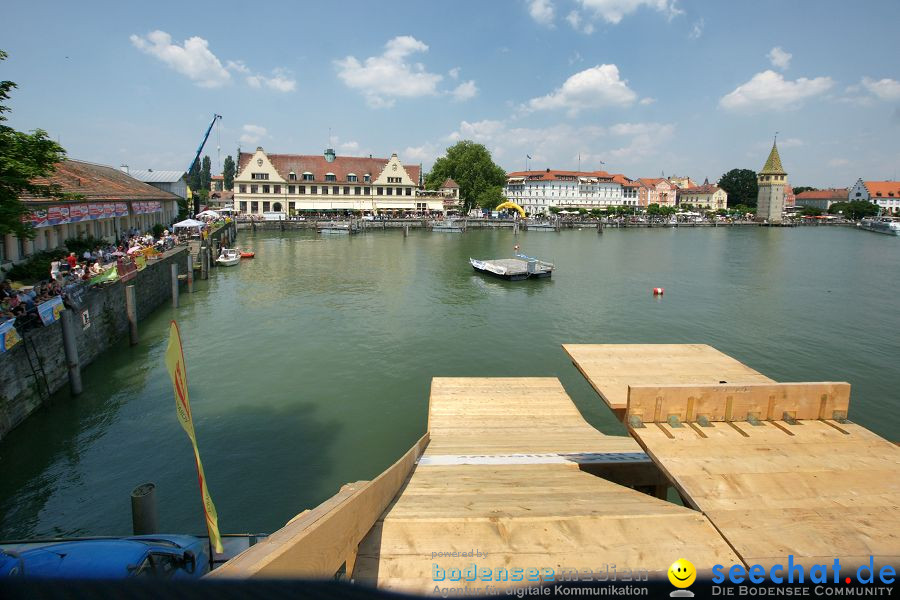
(537, 191)
(707, 196)
(291, 183)
(656, 191)
(885, 194)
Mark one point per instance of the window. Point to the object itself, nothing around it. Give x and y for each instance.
(265, 207)
(291, 189)
(291, 206)
(254, 206)
(325, 190)
(254, 189)
(242, 188)
(357, 190)
(409, 191)
(334, 189)
(244, 206)
(292, 176)
(330, 177)
(367, 178)
(389, 190)
(379, 191)
(367, 191)
(259, 176)
(307, 176)
(858, 194)
(265, 189)
(314, 189)
(351, 177)
(302, 189)
(394, 180)
(346, 190)
(276, 189)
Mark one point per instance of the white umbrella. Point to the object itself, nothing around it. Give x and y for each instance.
(209, 213)
(188, 224)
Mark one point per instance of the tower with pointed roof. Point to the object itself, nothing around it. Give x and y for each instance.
(771, 181)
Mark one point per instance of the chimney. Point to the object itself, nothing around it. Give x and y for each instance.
(124, 169)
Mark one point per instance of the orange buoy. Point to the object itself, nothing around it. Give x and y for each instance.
(658, 291)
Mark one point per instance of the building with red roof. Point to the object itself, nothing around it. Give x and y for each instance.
(288, 183)
(707, 196)
(885, 194)
(656, 190)
(821, 199)
(537, 191)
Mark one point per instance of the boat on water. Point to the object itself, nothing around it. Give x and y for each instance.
(514, 269)
(247, 254)
(887, 225)
(229, 257)
(337, 228)
(449, 226)
(543, 226)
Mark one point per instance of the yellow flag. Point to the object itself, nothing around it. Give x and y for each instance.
(175, 365)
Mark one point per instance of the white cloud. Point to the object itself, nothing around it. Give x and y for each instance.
(644, 142)
(384, 78)
(838, 162)
(647, 101)
(579, 24)
(779, 58)
(281, 81)
(426, 153)
(697, 28)
(465, 91)
(237, 65)
(192, 59)
(592, 88)
(349, 147)
(454, 73)
(771, 91)
(613, 11)
(252, 134)
(883, 89)
(541, 11)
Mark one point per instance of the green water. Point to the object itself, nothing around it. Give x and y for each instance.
(309, 366)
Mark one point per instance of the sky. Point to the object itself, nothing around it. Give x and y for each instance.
(639, 87)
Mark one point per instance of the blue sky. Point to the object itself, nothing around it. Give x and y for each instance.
(643, 86)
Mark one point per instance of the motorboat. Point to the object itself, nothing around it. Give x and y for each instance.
(514, 269)
(247, 254)
(888, 225)
(229, 257)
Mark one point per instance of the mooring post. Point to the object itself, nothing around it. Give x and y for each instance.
(71, 350)
(406, 231)
(190, 273)
(599, 227)
(204, 263)
(131, 311)
(516, 228)
(174, 269)
(143, 509)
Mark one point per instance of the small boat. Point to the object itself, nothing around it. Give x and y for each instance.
(513, 269)
(541, 226)
(247, 254)
(888, 225)
(449, 226)
(229, 257)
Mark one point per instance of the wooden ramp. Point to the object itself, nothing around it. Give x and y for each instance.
(611, 368)
(501, 477)
(777, 468)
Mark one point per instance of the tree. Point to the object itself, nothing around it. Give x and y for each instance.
(491, 198)
(811, 211)
(194, 177)
(23, 158)
(804, 188)
(228, 173)
(741, 187)
(205, 173)
(471, 166)
(854, 210)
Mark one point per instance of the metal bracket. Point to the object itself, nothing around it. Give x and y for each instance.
(674, 421)
(703, 421)
(635, 422)
(840, 416)
(754, 420)
(790, 420)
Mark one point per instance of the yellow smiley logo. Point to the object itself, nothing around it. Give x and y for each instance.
(682, 573)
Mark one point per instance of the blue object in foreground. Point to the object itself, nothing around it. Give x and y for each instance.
(157, 556)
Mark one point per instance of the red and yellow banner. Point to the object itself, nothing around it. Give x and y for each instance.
(175, 365)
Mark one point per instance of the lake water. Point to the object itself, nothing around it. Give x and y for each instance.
(309, 366)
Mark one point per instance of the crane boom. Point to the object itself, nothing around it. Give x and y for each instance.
(203, 143)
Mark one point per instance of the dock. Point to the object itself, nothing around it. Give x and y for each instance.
(509, 468)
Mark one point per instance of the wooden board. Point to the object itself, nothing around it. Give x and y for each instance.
(530, 511)
(611, 368)
(817, 489)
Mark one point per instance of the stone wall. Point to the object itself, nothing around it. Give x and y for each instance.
(21, 392)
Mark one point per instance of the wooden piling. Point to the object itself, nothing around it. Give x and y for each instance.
(204, 263)
(174, 271)
(131, 311)
(190, 273)
(71, 350)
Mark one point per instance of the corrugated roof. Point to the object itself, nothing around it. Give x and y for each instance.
(153, 176)
(98, 182)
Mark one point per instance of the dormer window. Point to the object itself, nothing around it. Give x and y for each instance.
(367, 178)
(330, 177)
(307, 176)
(351, 177)
(292, 176)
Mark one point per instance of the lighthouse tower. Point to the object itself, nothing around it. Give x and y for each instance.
(771, 181)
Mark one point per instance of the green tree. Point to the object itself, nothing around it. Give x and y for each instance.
(811, 211)
(205, 173)
(491, 197)
(24, 157)
(194, 177)
(228, 173)
(803, 188)
(741, 187)
(555, 210)
(471, 166)
(854, 210)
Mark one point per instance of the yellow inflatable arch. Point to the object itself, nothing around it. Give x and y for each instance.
(512, 205)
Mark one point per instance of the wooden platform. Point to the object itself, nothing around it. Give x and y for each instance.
(611, 368)
(501, 476)
(778, 469)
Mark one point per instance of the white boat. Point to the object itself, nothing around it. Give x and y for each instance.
(888, 225)
(448, 226)
(229, 257)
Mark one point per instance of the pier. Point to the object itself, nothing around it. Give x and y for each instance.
(764, 469)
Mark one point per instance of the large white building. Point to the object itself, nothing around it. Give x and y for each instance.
(537, 191)
(290, 183)
(885, 194)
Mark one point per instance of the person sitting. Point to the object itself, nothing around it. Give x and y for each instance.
(95, 269)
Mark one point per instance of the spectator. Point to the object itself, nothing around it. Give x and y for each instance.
(72, 260)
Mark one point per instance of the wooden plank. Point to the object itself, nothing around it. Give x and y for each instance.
(318, 543)
(611, 368)
(762, 401)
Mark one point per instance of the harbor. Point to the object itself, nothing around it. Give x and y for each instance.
(71, 466)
